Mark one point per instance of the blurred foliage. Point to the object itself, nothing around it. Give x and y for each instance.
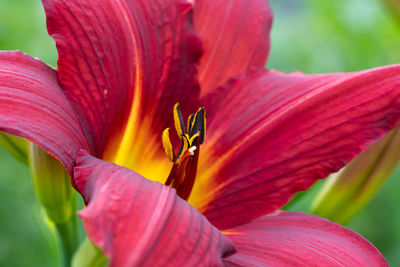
(316, 36)
(25, 236)
(394, 6)
(312, 36)
(23, 27)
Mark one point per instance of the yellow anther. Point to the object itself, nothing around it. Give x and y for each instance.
(193, 121)
(187, 137)
(195, 130)
(182, 150)
(169, 151)
(178, 120)
(192, 138)
(188, 123)
(183, 173)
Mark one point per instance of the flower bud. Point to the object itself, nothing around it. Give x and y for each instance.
(52, 185)
(89, 255)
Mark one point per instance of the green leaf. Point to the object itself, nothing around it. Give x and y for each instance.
(16, 146)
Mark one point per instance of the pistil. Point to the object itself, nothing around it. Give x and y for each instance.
(183, 173)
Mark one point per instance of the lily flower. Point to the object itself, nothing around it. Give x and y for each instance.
(210, 194)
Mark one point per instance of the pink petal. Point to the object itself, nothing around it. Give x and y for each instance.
(33, 106)
(299, 239)
(272, 134)
(235, 36)
(137, 222)
(118, 59)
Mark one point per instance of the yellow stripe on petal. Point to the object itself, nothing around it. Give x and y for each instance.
(134, 148)
(118, 152)
(142, 154)
(169, 151)
(206, 188)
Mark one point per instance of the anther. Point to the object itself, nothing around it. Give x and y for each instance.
(183, 172)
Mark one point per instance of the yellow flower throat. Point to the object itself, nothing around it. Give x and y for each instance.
(183, 172)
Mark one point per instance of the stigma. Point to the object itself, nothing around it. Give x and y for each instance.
(184, 168)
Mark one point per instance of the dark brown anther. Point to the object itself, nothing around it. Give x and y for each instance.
(183, 172)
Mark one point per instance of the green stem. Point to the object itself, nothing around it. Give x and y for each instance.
(88, 255)
(68, 233)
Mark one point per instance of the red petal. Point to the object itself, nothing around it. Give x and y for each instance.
(138, 222)
(271, 135)
(33, 106)
(119, 59)
(298, 239)
(235, 36)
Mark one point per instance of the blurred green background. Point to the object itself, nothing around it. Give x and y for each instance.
(312, 36)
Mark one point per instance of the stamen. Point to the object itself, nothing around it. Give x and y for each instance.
(183, 172)
(189, 122)
(169, 151)
(184, 146)
(191, 140)
(199, 124)
(178, 120)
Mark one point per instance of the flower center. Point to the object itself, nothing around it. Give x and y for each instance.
(183, 172)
